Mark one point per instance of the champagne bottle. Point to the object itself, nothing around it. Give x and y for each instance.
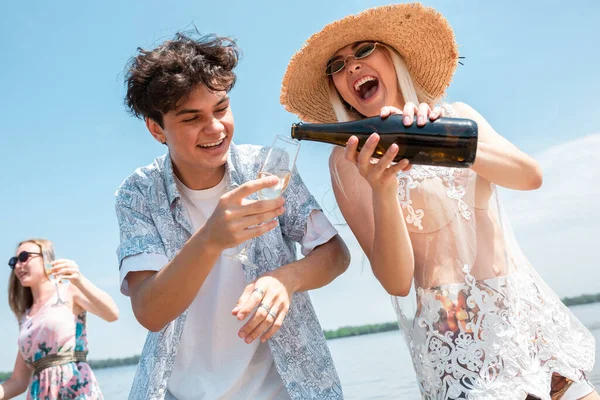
(445, 142)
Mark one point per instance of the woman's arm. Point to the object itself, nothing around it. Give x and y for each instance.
(85, 294)
(89, 297)
(368, 199)
(498, 160)
(17, 383)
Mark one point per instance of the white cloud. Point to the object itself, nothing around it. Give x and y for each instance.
(570, 189)
(557, 225)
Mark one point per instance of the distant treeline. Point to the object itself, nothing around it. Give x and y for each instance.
(113, 362)
(583, 299)
(361, 330)
(95, 364)
(333, 334)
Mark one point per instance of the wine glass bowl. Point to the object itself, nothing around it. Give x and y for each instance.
(279, 162)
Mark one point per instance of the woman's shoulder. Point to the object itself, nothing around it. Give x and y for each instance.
(459, 109)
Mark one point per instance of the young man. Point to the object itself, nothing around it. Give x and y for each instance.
(219, 329)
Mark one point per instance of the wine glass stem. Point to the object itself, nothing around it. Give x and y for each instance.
(57, 291)
(244, 250)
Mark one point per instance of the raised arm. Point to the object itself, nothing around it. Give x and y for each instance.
(498, 160)
(85, 294)
(367, 196)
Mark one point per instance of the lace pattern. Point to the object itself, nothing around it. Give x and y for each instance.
(472, 341)
(487, 326)
(409, 180)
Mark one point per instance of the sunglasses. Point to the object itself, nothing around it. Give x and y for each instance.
(23, 257)
(337, 64)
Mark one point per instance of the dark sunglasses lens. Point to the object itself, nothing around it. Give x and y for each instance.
(335, 67)
(364, 50)
(24, 256)
(12, 262)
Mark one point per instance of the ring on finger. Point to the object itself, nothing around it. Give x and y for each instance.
(259, 290)
(266, 307)
(272, 313)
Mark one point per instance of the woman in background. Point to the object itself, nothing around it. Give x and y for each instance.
(52, 325)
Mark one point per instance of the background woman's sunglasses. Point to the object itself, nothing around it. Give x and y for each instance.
(23, 257)
(337, 64)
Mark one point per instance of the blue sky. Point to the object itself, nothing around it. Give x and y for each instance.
(530, 69)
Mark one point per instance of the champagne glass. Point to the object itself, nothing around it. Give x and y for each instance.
(280, 162)
(48, 257)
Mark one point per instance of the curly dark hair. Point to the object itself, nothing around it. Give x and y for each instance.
(160, 80)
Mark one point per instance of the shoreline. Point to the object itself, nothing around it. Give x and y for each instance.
(340, 333)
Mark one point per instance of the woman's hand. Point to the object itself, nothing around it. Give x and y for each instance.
(423, 112)
(67, 269)
(380, 174)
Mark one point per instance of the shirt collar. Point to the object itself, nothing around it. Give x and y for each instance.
(234, 179)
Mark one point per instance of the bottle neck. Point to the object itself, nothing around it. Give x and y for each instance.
(295, 134)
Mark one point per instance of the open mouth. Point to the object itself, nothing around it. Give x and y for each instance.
(213, 145)
(366, 87)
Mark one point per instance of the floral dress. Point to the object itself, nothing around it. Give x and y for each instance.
(56, 330)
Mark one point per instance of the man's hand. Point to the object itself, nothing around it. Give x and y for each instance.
(272, 295)
(236, 220)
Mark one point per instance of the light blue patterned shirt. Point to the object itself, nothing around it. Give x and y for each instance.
(152, 220)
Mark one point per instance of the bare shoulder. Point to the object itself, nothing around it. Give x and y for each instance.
(343, 173)
(337, 155)
(464, 110)
(338, 162)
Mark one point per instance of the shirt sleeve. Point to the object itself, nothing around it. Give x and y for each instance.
(299, 204)
(138, 236)
(318, 231)
(140, 262)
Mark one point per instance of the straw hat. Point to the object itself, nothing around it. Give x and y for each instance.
(420, 34)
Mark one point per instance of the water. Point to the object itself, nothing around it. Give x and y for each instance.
(374, 366)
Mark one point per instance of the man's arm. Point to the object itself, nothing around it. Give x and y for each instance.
(320, 267)
(158, 297)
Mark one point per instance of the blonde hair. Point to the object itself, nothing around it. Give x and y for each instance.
(20, 298)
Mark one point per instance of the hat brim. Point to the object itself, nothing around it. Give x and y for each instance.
(421, 35)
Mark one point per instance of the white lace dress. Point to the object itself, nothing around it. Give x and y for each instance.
(480, 322)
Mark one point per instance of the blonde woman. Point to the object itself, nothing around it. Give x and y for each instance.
(52, 326)
(479, 321)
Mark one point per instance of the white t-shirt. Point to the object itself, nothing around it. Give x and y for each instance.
(212, 361)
